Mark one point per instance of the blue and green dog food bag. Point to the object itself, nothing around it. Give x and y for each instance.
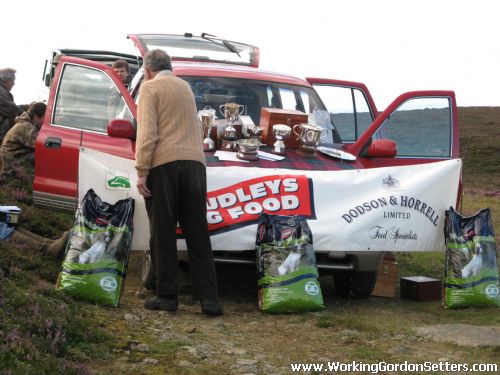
(471, 274)
(97, 253)
(286, 265)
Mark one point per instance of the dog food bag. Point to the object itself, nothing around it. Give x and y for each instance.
(286, 264)
(471, 274)
(98, 250)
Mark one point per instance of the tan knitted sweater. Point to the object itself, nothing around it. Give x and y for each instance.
(168, 127)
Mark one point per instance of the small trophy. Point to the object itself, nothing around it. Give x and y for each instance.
(207, 117)
(281, 133)
(254, 132)
(248, 149)
(309, 138)
(231, 112)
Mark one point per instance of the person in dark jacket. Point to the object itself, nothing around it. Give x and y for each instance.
(18, 146)
(8, 109)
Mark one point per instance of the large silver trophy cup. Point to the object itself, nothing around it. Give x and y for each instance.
(207, 118)
(231, 112)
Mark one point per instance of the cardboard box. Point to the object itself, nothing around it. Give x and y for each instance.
(387, 278)
(10, 214)
(420, 288)
(273, 116)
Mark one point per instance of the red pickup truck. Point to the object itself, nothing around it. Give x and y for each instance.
(417, 127)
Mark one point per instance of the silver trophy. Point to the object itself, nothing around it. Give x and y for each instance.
(309, 137)
(231, 112)
(281, 133)
(248, 149)
(254, 132)
(207, 118)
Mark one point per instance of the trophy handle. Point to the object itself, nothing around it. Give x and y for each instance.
(223, 112)
(294, 132)
(326, 133)
(242, 109)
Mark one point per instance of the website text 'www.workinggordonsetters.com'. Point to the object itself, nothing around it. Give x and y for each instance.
(382, 367)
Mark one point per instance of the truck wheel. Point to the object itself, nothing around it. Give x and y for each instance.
(352, 284)
(147, 277)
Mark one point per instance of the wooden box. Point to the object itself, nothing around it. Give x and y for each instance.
(420, 288)
(272, 116)
(387, 278)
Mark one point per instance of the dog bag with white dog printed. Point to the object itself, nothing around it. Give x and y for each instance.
(471, 275)
(98, 250)
(286, 264)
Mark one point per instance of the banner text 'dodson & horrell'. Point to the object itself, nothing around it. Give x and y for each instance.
(402, 201)
(242, 203)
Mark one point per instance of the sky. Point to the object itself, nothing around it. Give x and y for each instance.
(392, 46)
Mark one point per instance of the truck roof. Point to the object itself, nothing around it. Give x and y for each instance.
(188, 68)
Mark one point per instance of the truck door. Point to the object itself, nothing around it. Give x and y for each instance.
(350, 104)
(422, 124)
(85, 96)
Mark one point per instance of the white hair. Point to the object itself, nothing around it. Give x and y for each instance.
(7, 74)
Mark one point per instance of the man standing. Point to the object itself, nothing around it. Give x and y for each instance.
(18, 146)
(170, 165)
(8, 109)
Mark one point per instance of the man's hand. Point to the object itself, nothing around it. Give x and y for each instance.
(142, 187)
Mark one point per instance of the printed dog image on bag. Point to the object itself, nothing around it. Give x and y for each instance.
(471, 274)
(97, 254)
(286, 262)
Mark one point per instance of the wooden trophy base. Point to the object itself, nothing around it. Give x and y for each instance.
(307, 152)
(247, 155)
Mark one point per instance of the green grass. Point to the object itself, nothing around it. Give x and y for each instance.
(168, 347)
(42, 330)
(480, 146)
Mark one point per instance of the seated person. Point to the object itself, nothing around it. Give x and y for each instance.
(18, 146)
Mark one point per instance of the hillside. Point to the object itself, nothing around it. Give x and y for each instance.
(42, 331)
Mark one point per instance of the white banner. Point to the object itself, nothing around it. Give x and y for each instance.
(380, 209)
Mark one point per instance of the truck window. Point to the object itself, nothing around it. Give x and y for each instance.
(348, 108)
(88, 99)
(421, 127)
(253, 95)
